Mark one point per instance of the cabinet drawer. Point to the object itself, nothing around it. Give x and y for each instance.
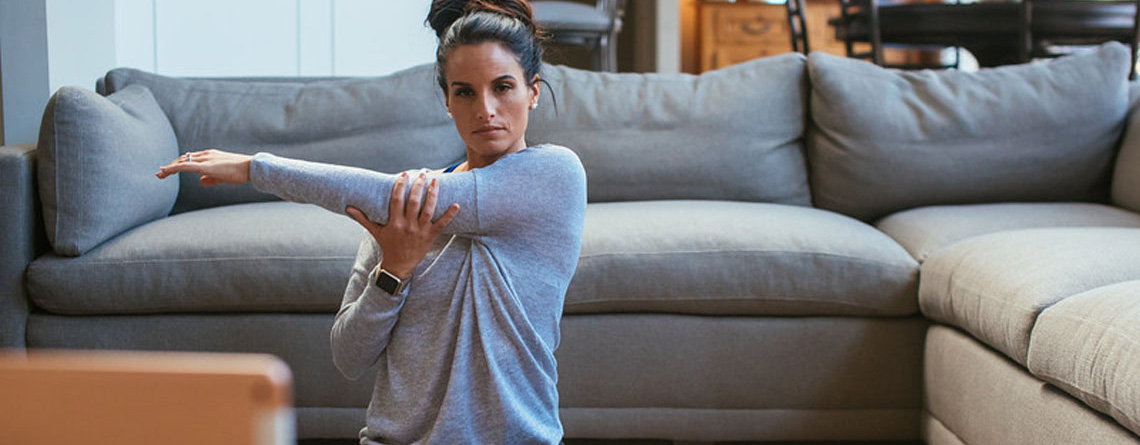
(732, 55)
(750, 24)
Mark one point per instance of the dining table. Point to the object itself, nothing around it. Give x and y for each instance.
(994, 32)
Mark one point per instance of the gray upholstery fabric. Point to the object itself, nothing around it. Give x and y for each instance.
(389, 123)
(994, 286)
(1126, 177)
(301, 340)
(732, 134)
(329, 423)
(983, 398)
(1089, 346)
(927, 229)
(20, 229)
(96, 162)
(934, 432)
(267, 257)
(885, 140)
(856, 378)
(740, 363)
(737, 258)
(750, 426)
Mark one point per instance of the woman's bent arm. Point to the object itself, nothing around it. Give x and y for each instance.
(367, 315)
(500, 198)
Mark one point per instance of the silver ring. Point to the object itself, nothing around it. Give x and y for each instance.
(188, 159)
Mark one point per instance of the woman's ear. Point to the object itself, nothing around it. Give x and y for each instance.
(535, 89)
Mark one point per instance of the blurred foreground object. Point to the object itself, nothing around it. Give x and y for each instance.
(126, 398)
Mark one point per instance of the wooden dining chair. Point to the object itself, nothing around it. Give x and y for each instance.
(797, 24)
(863, 25)
(1053, 28)
(594, 27)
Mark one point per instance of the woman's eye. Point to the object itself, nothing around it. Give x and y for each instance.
(464, 92)
(504, 87)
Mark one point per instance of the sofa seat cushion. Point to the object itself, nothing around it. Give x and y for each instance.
(721, 258)
(1089, 346)
(927, 229)
(263, 257)
(994, 286)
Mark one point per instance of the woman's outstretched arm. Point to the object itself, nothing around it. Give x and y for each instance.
(520, 189)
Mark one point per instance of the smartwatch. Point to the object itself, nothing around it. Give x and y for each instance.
(389, 283)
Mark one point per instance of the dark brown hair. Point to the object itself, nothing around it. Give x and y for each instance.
(468, 22)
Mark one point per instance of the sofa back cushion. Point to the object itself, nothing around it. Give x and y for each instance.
(1126, 177)
(731, 134)
(884, 140)
(96, 162)
(388, 123)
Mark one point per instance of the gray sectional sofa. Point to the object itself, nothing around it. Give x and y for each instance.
(794, 248)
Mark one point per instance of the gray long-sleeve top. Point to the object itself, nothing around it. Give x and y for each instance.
(466, 351)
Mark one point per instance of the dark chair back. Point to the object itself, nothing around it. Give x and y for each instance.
(1052, 28)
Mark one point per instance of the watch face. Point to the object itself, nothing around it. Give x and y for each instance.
(386, 282)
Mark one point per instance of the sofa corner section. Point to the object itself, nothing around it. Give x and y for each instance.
(21, 232)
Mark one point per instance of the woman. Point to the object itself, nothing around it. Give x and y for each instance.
(461, 313)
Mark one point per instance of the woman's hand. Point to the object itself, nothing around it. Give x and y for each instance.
(215, 166)
(409, 234)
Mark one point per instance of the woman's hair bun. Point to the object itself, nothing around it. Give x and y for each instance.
(445, 12)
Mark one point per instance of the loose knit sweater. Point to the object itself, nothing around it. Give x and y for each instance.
(466, 350)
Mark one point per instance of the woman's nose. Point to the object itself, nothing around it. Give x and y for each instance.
(486, 109)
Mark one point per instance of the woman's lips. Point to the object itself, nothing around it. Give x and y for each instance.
(489, 131)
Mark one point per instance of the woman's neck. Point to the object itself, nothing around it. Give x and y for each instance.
(475, 160)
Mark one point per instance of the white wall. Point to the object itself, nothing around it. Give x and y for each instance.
(272, 37)
(80, 41)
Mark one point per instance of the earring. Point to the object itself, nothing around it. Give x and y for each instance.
(534, 105)
(449, 116)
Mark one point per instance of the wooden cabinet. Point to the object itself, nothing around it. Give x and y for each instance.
(734, 32)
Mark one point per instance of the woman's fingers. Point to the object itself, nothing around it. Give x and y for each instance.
(179, 167)
(188, 162)
(415, 198)
(428, 209)
(396, 203)
(438, 226)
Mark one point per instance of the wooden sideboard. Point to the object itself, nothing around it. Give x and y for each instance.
(734, 32)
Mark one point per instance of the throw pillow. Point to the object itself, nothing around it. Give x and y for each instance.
(885, 140)
(96, 162)
(389, 123)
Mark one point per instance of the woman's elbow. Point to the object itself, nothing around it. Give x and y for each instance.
(350, 362)
(350, 369)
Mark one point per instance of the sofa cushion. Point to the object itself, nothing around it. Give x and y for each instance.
(390, 123)
(266, 257)
(1089, 346)
(731, 134)
(1126, 177)
(736, 258)
(927, 229)
(886, 140)
(96, 162)
(994, 286)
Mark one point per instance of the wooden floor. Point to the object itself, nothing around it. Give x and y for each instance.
(647, 442)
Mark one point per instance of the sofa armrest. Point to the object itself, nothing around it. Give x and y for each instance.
(21, 234)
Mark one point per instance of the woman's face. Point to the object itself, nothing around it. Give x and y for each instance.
(489, 98)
